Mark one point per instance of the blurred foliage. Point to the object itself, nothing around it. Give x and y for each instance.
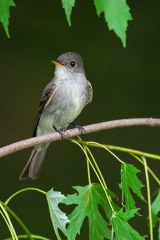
(5, 14)
(116, 13)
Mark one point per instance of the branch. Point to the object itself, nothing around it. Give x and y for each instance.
(30, 142)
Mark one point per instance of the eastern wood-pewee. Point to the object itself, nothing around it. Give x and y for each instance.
(62, 101)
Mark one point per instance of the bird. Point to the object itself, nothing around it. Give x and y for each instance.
(63, 99)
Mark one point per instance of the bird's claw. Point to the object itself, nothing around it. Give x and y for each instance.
(59, 131)
(80, 128)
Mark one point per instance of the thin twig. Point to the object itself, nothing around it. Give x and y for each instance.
(18, 146)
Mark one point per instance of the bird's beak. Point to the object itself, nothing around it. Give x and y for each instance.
(57, 63)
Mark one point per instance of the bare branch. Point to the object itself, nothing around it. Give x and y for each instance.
(18, 146)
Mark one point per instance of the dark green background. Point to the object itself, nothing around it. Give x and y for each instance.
(125, 82)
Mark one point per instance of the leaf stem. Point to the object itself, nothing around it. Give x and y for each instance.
(87, 158)
(88, 166)
(149, 198)
(122, 149)
(8, 221)
(26, 237)
(23, 190)
(18, 220)
(127, 150)
(108, 197)
(98, 169)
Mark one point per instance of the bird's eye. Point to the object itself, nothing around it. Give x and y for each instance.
(72, 64)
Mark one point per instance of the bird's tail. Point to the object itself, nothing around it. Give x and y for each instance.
(34, 164)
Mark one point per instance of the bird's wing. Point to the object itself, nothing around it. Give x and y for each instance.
(45, 100)
(90, 93)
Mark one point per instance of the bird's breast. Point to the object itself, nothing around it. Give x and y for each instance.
(67, 103)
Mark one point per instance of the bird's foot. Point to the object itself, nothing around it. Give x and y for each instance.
(61, 131)
(80, 128)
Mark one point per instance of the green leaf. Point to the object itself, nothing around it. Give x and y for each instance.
(59, 218)
(68, 5)
(156, 209)
(126, 216)
(121, 227)
(88, 199)
(116, 14)
(129, 180)
(4, 13)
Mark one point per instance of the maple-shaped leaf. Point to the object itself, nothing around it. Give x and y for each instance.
(59, 218)
(121, 228)
(88, 199)
(130, 181)
(156, 209)
(4, 13)
(117, 14)
(68, 5)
